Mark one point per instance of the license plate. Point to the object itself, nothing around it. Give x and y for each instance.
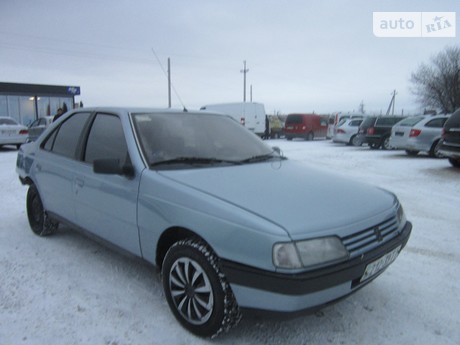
(8, 132)
(378, 265)
(400, 134)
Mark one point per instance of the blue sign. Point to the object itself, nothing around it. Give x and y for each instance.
(73, 90)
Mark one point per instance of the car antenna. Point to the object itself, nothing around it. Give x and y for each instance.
(170, 85)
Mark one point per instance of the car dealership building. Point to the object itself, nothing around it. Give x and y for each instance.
(28, 102)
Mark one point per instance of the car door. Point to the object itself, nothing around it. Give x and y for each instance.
(106, 204)
(56, 165)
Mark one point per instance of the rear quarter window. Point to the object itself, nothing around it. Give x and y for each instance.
(436, 123)
(454, 120)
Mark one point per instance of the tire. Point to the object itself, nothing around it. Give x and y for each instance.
(434, 150)
(455, 162)
(386, 143)
(39, 221)
(412, 153)
(356, 140)
(204, 305)
(289, 138)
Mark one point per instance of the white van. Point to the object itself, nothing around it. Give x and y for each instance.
(249, 114)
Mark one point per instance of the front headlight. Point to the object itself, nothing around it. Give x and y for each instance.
(401, 216)
(309, 253)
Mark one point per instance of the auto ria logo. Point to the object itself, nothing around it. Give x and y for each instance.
(414, 24)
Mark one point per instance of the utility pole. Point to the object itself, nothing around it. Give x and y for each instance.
(394, 101)
(250, 93)
(169, 83)
(392, 104)
(244, 71)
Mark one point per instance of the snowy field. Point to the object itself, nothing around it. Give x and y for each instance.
(67, 289)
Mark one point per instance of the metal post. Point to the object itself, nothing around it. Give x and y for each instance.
(169, 83)
(244, 71)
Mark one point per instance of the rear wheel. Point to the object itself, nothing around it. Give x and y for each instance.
(39, 221)
(196, 290)
(455, 162)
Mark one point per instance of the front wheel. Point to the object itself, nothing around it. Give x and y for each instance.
(356, 140)
(197, 292)
(39, 221)
(434, 150)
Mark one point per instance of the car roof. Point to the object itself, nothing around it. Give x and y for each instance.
(133, 110)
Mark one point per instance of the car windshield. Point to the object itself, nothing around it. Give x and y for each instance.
(197, 139)
(411, 121)
(6, 121)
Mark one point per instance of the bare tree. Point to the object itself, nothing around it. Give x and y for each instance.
(437, 85)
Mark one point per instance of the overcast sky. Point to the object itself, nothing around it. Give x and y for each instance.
(302, 56)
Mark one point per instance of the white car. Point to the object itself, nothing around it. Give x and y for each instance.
(11, 132)
(38, 126)
(346, 132)
(418, 134)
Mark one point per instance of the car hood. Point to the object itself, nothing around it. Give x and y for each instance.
(291, 194)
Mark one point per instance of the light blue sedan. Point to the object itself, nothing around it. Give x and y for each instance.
(198, 195)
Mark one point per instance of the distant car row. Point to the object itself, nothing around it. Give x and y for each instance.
(438, 136)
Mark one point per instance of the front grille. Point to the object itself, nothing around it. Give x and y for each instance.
(365, 240)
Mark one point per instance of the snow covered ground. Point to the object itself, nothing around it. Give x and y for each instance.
(67, 289)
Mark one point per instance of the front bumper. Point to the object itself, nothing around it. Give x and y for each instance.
(258, 289)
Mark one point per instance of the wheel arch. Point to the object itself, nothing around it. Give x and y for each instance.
(168, 238)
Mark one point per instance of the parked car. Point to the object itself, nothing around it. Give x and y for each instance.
(376, 131)
(418, 134)
(347, 131)
(450, 145)
(187, 192)
(38, 126)
(306, 126)
(12, 132)
(336, 119)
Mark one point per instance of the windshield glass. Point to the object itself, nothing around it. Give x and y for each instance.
(199, 138)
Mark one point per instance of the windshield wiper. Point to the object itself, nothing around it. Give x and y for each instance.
(193, 160)
(261, 158)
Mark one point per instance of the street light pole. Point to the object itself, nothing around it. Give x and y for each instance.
(244, 71)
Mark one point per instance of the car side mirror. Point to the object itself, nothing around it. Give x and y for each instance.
(276, 149)
(113, 167)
